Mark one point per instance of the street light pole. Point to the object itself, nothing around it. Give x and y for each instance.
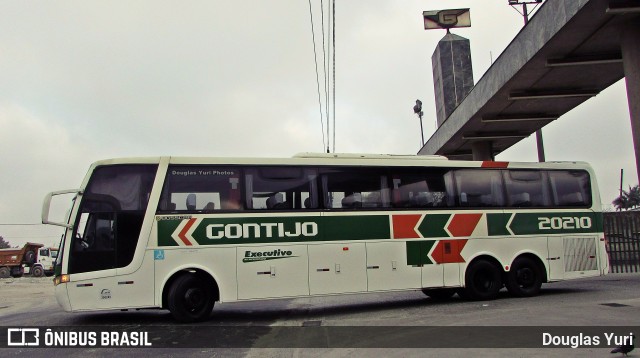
(417, 109)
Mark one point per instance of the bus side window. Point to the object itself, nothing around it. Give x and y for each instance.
(526, 188)
(280, 188)
(201, 189)
(419, 188)
(570, 188)
(481, 188)
(355, 188)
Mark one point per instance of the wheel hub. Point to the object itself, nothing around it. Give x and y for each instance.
(194, 297)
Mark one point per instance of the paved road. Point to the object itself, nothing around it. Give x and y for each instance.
(613, 300)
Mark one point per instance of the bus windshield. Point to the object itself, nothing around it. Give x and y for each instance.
(110, 217)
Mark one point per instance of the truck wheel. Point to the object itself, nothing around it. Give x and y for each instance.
(5, 272)
(37, 271)
(30, 257)
(483, 281)
(190, 299)
(525, 278)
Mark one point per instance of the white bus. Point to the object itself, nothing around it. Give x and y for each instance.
(183, 233)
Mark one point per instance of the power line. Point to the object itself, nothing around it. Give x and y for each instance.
(315, 59)
(33, 237)
(325, 64)
(25, 224)
(334, 74)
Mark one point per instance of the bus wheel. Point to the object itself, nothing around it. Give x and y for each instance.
(37, 271)
(439, 294)
(190, 299)
(482, 281)
(525, 278)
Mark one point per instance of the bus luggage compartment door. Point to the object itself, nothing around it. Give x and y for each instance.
(272, 271)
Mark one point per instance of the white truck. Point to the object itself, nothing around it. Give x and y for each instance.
(44, 263)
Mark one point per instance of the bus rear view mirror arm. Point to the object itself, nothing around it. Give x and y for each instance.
(46, 206)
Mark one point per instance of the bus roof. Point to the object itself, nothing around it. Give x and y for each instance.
(369, 156)
(324, 159)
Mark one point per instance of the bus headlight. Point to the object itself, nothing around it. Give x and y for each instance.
(60, 279)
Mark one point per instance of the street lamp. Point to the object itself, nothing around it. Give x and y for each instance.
(417, 109)
(525, 12)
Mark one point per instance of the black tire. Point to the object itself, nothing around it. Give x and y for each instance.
(462, 293)
(483, 281)
(5, 272)
(190, 299)
(37, 271)
(439, 294)
(30, 257)
(525, 278)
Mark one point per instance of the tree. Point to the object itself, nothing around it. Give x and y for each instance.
(4, 244)
(628, 199)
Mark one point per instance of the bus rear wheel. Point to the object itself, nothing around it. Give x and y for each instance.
(483, 281)
(525, 278)
(190, 299)
(439, 294)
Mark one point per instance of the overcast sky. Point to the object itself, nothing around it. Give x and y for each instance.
(82, 81)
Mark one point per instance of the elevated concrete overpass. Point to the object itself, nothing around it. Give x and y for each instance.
(567, 53)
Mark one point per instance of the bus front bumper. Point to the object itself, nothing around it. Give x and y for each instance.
(62, 296)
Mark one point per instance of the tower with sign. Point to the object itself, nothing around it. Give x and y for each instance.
(451, 60)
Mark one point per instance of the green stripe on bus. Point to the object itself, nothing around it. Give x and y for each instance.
(497, 224)
(362, 227)
(544, 223)
(243, 230)
(246, 230)
(418, 252)
(165, 229)
(433, 225)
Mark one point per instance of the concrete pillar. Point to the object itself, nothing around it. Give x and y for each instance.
(631, 61)
(482, 151)
(452, 74)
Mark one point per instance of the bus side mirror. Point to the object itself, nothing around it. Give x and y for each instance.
(46, 207)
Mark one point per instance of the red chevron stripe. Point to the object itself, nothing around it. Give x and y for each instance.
(448, 251)
(490, 164)
(184, 230)
(404, 226)
(463, 224)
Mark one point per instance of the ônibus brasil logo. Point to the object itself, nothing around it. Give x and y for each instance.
(252, 256)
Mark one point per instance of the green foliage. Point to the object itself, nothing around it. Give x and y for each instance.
(628, 199)
(4, 244)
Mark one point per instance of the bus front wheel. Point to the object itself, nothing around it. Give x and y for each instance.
(525, 278)
(483, 281)
(190, 299)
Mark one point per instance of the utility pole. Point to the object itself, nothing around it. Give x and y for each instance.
(525, 15)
